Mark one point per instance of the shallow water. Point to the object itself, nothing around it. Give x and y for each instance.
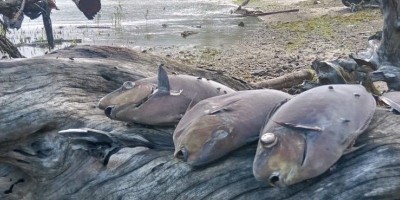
(141, 24)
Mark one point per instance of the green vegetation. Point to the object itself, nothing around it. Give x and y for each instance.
(3, 31)
(241, 1)
(117, 15)
(303, 31)
(199, 56)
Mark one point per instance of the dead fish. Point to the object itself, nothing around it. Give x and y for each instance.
(309, 133)
(221, 124)
(392, 99)
(158, 100)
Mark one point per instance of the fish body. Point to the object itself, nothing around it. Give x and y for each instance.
(159, 100)
(309, 133)
(218, 125)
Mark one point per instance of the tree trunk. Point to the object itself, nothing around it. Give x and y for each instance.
(389, 50)
(41, 96)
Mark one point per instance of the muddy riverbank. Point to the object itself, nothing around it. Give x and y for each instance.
(290, 41)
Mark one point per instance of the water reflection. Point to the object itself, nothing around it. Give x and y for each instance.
(133, 23)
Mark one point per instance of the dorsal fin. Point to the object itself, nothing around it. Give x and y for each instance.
(163, 82)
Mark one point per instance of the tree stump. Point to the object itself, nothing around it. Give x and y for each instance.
(44, 95)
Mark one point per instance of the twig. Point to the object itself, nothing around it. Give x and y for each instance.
(6, 46)
(271, 13)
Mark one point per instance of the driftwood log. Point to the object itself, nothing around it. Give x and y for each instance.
(41, 96)
(286, 81)
(7, 47)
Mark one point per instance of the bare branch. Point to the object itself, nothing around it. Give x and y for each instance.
(21, 9)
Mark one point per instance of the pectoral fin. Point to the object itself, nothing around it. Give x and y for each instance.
(299, 126)
(221, 108)
(352, 149)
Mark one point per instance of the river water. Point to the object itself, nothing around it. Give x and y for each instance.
(140, 24)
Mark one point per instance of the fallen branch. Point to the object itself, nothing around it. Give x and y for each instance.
(286, 81)
(258, 13)
(6, 46)
(21, 9)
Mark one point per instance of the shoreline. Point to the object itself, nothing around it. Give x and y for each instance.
(290, 41)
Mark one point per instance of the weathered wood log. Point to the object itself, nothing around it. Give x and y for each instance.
(43, 95)
(287, 80)
(7, 47)
(385, 56)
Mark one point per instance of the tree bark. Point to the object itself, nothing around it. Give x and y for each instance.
(6, 46)
(389, 50)
(43, 95)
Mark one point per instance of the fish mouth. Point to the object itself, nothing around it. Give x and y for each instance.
(275, 179)
(182, 154)
(142, 101)
(111, 111)
(108, 111)
(127, 97)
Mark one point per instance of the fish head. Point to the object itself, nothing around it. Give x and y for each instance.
(279, 157)
(203, 140)
(147, 103)
(158, 109)
(130, 93)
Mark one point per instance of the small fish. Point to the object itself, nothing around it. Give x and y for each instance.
(309, 133)
(160, 100)
(218, 125)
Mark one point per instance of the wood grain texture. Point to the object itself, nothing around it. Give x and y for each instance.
(43, 95)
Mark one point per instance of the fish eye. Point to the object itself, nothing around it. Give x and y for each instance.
(128, 84)
(268, 140)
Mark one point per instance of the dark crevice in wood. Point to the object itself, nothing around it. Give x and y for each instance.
(12, 186)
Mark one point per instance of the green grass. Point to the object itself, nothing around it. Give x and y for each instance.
(241, 1)
(324, 26)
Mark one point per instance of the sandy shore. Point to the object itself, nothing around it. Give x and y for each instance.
(290, 41)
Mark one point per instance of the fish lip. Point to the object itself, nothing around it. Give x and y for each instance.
(141, 102)
(109, 112)
(100, 105)
(182, 154)
(276, 180)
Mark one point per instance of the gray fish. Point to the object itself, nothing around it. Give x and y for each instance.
(159, 100)
(308, 134)
(221, 124)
